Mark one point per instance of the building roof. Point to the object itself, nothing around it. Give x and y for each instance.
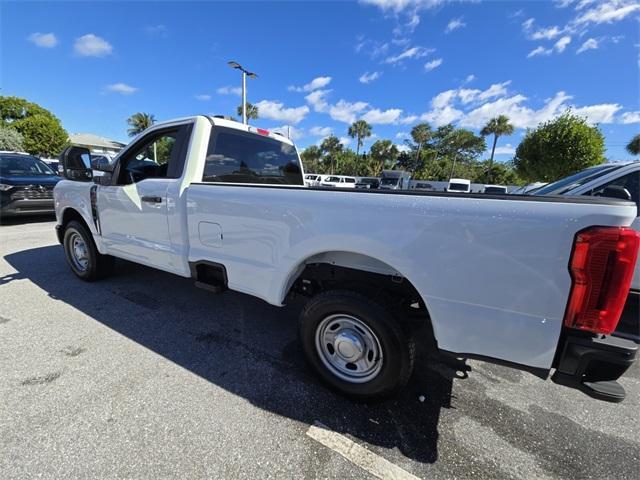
(94, 140)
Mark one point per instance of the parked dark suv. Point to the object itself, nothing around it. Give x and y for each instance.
(26, 185)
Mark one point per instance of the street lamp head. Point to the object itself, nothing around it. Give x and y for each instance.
(252, 75)
(233, 64)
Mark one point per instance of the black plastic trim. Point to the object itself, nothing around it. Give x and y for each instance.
(593, 364)
(475, 196)
(542, 373)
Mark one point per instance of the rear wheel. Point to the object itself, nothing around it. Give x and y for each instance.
(82, 255)
(356, 345)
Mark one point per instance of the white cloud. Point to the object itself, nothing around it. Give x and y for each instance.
(602, 113)
(402, 147)
(472, 108)
(608, 11)
(398, 6)
(507, 149)
(369, 77)
(433, 64)
(402, 135)
(91, 45)
(203, 97)
(561, 44)
(121, 88)
(589, 44)
(289, 131)
(454, 24)
(528, 23)
(413, 52)
(43, 40)
(156, 30)
(539, 51)
(442, 116)
(274, 110)
(378, 117)
(347, 112)
(321, 131)
(318, 101)
(345, 140)
(546, 33)
(229, 91)
(408, 119)
(315, 84)
(630, 117)
(470, 78)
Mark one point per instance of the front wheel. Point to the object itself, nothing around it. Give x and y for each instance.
(82, 254)
(358, 348)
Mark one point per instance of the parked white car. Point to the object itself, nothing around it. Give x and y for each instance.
(338, 181)
(312, 180)
(497, 278)
(460, 185)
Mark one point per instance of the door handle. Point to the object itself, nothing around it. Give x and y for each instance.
(152, 199)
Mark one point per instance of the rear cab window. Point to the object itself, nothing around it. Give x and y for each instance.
(235, 156)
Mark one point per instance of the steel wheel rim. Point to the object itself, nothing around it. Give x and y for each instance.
(349, 348)
(78, 252)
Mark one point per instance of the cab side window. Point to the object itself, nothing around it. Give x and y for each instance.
(158, 155)
(629, 182)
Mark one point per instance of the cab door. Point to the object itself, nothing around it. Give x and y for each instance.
(133, 208)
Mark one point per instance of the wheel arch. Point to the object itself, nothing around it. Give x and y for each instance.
(359, 272)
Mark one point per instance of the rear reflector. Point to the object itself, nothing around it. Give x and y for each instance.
(601, 267)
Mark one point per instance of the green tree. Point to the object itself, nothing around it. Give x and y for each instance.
(13, 109)
(359, 130)
(311, 157)
(633, 147)
(420, 134)
(11, 140)
(252, 111)
(462, 145)
(382, 153)
(558, 148)
(330, 147)
(139, 122)
(498, 127)
(43, 134)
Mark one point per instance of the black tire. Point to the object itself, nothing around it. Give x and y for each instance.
(97, 265)
(398, 348)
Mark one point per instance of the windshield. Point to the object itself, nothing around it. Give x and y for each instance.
(577, 179)
(389, 181)
(23, 165)
(461, 187)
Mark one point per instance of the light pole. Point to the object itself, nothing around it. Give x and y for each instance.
(245, 73)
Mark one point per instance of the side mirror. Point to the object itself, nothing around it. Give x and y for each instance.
(616, 191)
(76, 164)
(101, 164)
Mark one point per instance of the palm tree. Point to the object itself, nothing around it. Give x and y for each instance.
(359, 130)
(498, 126)
(139, 122)
(420, 134)
(633, 147)
(331, 146)
(252, 111)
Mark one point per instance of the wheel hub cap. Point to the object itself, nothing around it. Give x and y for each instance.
(349, 348)
(348, 345)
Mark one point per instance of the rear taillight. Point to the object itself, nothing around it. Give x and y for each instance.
(262, 131)
(602, 264)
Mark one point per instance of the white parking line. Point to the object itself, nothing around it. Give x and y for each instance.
(365, 459)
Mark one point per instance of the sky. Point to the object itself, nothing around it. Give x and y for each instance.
(322, 65)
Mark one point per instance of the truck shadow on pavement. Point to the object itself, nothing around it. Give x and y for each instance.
(247, 347)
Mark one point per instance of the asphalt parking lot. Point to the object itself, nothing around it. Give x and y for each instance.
(144, 376)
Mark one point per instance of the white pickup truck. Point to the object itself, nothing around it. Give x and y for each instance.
(537, 283)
